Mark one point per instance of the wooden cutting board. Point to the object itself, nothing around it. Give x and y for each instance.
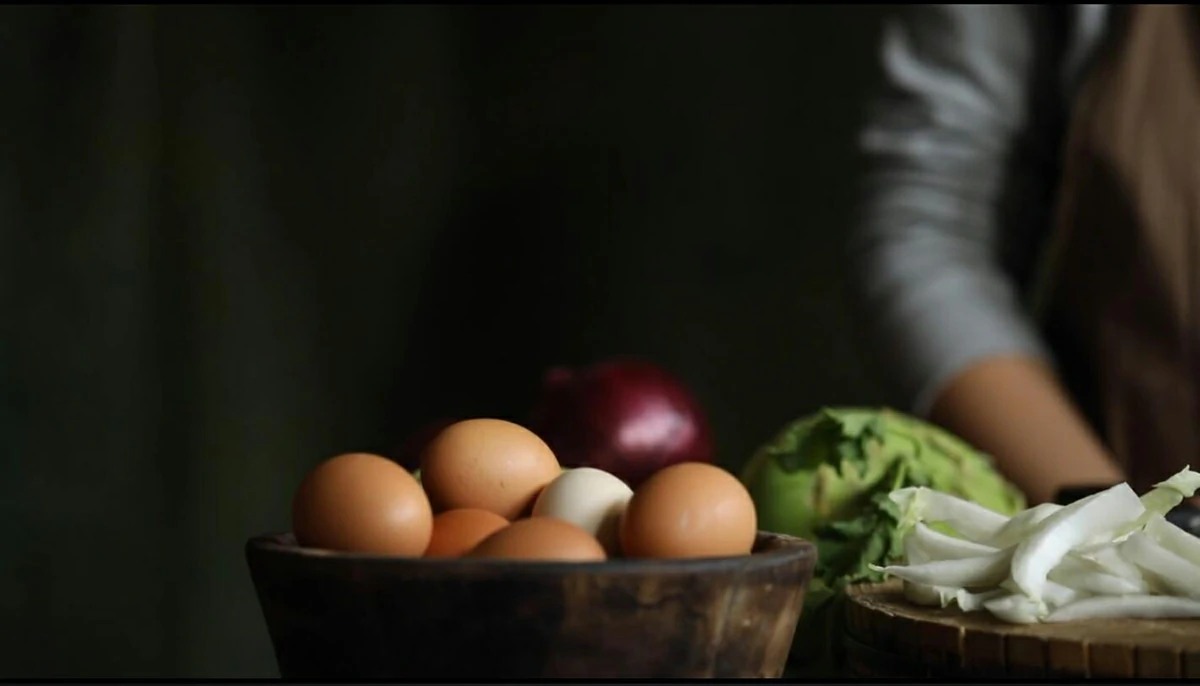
(887, 636)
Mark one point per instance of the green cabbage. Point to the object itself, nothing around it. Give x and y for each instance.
(826, 478)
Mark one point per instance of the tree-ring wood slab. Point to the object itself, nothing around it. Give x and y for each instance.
(888, 636)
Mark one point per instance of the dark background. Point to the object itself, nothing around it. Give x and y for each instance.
(234, 241)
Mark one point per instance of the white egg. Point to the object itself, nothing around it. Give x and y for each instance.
(590, 499)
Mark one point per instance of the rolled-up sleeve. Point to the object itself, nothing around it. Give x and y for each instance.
(954, 124)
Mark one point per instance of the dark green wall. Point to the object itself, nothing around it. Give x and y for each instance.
(235, 241)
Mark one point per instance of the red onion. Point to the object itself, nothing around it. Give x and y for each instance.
(627, 417)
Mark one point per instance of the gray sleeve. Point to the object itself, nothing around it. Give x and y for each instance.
(954, 118)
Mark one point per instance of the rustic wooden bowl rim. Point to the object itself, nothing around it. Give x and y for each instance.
(771, 550)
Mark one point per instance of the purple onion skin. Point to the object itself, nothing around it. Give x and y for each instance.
(627, 417)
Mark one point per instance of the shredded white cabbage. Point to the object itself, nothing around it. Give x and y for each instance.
(1068, 529)
(1176, 575)
(945, 596)
(1160, 500)
(1086, 575)
(1015, 608)
(934, 545)
(1129, 607)
(1109, 555)
(1174, 539)
(982, 571)
(971, 520)
(1017, 529)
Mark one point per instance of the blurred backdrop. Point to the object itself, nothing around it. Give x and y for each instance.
(235, 241)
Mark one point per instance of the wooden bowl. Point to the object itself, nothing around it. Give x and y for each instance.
(339, 615)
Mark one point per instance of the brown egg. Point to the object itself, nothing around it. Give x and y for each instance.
(689, 509)
(487, 464)
(456, 532)
(362, 503)
(541, 538)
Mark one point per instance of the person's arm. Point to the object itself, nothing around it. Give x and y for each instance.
(1014, 409)
(959, 146)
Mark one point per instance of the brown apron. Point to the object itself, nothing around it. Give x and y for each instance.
(1123, 307)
